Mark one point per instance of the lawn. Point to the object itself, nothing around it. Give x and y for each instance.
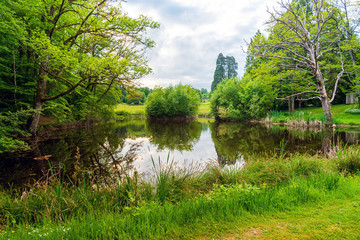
(316, 113)
(339, 114)
(335, 219)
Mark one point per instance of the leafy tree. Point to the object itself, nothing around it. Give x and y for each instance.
(305, 41)
(77, 44)
(241, 99)
(179, 100)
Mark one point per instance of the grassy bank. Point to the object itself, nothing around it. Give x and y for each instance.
(177, 203)
(316, 114)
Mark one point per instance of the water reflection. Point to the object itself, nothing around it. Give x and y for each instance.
(174, 135)
(114, 148)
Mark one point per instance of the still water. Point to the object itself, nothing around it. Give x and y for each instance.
(136, 144)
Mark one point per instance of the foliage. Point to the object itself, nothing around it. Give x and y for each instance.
(58, 52)
(311, 44)
(241, 99)
(225, 68)
(136, 96)
(179, 100)
(11, 127)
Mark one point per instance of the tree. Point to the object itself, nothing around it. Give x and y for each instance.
(305, 40)
(76, 44)
(241, 99)
(226, 67)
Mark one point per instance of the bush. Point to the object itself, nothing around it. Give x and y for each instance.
(179, 100)
(353, 111)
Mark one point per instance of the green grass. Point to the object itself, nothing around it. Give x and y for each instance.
(336, 218)
(310, 114)
(178, 203)
(223, 206)
(204, 108)
(126, 110)
(339, 114)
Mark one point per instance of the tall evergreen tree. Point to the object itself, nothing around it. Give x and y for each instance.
(226, 67)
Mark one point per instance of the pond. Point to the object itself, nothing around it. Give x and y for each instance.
(139, 145)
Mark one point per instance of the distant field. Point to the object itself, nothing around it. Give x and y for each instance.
(130, 110)
(204, 108)
(139, 110)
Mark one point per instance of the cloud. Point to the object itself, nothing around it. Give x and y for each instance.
(193, 33)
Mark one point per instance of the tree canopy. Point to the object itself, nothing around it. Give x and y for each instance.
(58, 49)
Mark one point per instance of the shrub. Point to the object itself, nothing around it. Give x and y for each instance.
(179, 100)
(353, 111)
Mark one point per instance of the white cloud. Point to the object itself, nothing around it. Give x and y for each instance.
(194, 32)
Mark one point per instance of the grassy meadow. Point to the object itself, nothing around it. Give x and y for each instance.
(316, 114)
(268, 198)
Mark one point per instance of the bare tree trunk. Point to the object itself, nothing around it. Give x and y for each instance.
(327, 147)
(326, 106)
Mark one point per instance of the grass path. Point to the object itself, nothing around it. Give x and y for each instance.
(335, 219)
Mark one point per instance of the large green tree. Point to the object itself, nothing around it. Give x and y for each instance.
(75, 44)
(305, 42)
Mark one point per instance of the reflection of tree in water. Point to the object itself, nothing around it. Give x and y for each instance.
(234, 139)
(174, 135)
(94, 149)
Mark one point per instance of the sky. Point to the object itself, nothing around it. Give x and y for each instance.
(192, 33)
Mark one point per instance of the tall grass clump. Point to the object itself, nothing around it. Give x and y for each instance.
(298, 116)
(348, 160)
(171, 183)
